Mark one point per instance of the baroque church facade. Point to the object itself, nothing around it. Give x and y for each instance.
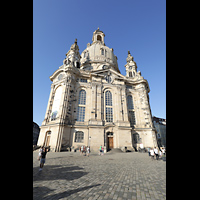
(91, 103)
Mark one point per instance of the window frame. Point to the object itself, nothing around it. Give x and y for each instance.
(108, 106)
(131, 110)
(81, 106)
(79, 137)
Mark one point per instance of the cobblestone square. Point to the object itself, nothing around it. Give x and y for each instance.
(117, 176)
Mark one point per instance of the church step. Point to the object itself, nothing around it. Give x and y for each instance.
(116, 150)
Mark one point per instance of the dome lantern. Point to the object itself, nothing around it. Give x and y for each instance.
(98, 36)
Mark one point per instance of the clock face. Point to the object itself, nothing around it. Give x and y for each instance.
(60, 77)
(130, 67)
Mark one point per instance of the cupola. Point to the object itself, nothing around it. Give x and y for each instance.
(98, 36)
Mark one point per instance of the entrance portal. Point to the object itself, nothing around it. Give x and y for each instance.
(110, 140)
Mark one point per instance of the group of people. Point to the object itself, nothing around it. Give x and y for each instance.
(84, 150)
(155, 152)
(42, 156)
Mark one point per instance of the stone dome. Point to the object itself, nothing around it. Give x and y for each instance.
(97, 55)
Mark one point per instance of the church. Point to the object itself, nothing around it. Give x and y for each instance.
(91, 103)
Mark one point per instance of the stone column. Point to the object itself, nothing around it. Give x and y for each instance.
(125, 111)
(93, 102)
(120, 105)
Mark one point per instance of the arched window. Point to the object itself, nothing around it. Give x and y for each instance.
(99, 37)
(130, 74)
(79, 136)
(108, 96)
(81, 106)
(56, 103)
(108, 106)
(102, 51)
(131, 111)
(77, 64)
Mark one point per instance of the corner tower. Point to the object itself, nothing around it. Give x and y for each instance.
(73, 56)
(54, 132)
(131, 67)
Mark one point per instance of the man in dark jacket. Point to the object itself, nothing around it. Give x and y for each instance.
(43, 157)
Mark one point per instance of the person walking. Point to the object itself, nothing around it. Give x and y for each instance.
(149, 151)
(40, 151)
(152, 154)
(82, 148)
(163, 151)
(156, 152)
(160, 153)
(88, 151)
(43, 157)
(100, 150)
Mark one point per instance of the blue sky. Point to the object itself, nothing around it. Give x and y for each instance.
(135, 25)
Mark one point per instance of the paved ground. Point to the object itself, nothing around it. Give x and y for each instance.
(117, 176)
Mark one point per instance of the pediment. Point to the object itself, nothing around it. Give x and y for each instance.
(107, 72)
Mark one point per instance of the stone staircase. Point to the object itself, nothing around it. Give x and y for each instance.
(115, 150)
(121, 150)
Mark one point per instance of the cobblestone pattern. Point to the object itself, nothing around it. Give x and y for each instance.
(117, 176)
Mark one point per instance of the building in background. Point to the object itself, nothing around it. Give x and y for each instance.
(160, 125)
(36, 132)
(92, 103)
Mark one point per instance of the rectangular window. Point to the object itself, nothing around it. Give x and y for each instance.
(132, 117)
(83, 80)
(128, 87)
(79, 136)
(109, 114)
(81, 114)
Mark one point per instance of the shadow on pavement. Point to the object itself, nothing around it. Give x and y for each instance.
(55, 172)
(44, 191)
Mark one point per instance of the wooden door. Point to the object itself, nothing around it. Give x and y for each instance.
(110, 142)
